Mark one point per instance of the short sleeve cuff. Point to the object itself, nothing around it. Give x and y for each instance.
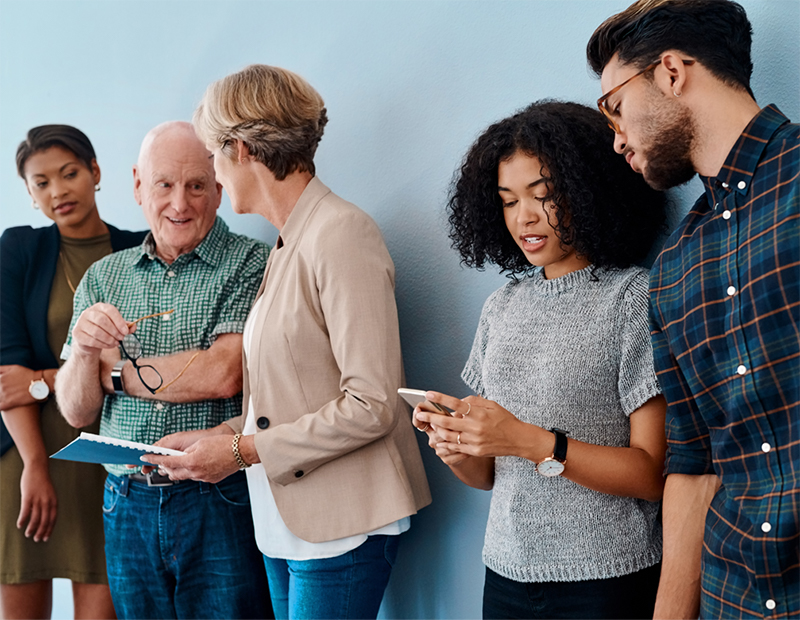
(229, 327)
(639, 396)
(66, 351)
(473, 380)
(690, 464)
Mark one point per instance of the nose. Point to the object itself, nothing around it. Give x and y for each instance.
(180, 199)
(57, 188)
(620, 142)
(530, 211)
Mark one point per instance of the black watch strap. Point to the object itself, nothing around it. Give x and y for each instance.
(116, 377)
(560, 449)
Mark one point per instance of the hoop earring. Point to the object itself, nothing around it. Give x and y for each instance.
(97, 187)
(34, 205)
(676, 94)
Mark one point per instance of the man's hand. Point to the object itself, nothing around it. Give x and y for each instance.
(39, 505)
(99, 327)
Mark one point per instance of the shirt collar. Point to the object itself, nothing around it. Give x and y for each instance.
(308, 201)
(737, 172)
(208, 250)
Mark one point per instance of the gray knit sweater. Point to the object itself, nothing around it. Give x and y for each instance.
(574, 353)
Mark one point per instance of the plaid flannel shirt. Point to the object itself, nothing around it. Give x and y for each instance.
(725, 319)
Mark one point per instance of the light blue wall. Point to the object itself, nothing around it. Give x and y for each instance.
(408, 86)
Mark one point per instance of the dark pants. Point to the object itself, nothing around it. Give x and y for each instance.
(629, 596)
(183, 551)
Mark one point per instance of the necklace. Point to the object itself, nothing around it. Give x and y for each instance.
(64, 265)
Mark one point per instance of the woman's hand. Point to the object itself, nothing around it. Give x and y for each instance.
(481, 427)
(209, 459)
(14, 383)
(39, 505)
(435, 440)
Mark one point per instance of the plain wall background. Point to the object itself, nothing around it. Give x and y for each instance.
(408, 86)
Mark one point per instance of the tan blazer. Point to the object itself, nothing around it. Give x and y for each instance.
(333, 436)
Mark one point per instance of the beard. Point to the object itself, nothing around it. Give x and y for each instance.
(671, 132)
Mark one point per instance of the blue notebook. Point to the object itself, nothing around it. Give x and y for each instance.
(90, 448)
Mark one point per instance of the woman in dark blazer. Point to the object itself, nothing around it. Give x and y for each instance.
(50, 515)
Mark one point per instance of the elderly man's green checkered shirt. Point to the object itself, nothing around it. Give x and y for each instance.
(211, 289)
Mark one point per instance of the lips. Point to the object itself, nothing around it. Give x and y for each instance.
(532, 243)
(179, 221)
(65, 207)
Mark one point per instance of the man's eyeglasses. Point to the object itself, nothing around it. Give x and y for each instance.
(132, 349)
(601, 103)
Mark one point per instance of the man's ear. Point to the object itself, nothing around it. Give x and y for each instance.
(137, 186)
(674, 74)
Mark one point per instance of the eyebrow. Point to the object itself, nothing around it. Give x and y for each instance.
(61, 169)
(538, 181)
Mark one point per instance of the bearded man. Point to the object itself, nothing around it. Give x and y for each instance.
(725, 301)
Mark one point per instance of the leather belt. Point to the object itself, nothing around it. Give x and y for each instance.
(154, 479)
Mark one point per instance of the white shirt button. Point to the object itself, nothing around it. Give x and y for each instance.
(171, 273)
(765, 527)
(166, 317)
(160, 406)
(741, 185)
(742, 369)
(726, 215)
(731, 290)
(770, 604)
(765, 447)
(725, 185)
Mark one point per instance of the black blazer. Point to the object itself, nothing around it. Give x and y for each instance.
(28, 259)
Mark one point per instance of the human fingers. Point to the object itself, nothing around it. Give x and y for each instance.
(99, 327)
(34, 518)
(451, 402)
(48, 513)
(439, 420)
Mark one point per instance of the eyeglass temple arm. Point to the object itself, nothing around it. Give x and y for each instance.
(150, 316)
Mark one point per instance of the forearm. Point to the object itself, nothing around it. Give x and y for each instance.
(15, 381)
(686, 502)
(214, 373)
(24, 426)
(78, 389)
(476, 471)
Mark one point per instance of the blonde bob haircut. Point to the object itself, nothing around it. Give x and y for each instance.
(274, 112)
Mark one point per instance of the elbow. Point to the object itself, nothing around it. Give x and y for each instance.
(655, 489)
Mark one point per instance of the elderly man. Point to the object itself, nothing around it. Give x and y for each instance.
(174, 550)
(725, 301)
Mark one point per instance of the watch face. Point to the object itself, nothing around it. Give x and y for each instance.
(39, 390)
(550, 467)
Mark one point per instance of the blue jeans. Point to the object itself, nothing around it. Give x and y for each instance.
(628, 596)
(183, 551)
(350, 585)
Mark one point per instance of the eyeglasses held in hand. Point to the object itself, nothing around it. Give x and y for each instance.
(132, 349)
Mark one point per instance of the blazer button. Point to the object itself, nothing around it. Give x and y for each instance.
(298, 474)
(262, 422)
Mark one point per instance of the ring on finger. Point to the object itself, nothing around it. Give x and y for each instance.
(458, 439)
(469, 408)
(423, 429)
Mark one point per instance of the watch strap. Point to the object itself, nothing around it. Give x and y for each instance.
(116, 377)
(560, 449)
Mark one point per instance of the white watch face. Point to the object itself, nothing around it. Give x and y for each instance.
(39, 390)
(550, 467)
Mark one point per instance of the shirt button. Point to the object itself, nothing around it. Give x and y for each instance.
(166, 317)
(171, 273)
(725, 185)
(731, 290)
(298, 474)
(765, 527)
(765, 447)
(742, 369)
(159, 406)
(726, 215)
(770, 604)
(741, 185)
(262, 422)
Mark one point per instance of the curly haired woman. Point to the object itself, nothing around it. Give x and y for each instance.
(567, 427)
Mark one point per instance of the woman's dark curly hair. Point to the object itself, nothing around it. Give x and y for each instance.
(613, 216)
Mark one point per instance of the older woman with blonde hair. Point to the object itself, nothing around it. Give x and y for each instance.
(336, 467)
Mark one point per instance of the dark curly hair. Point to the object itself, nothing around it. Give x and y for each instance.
(613, 216)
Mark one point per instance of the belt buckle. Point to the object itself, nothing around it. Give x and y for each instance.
(154, 479)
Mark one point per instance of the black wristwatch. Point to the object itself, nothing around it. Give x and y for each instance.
(554, 465)
(116, 377)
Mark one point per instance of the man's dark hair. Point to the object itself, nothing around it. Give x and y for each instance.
(716, 33)
(601, 207)
(47, 136)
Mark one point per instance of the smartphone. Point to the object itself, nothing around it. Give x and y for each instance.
(415, 397)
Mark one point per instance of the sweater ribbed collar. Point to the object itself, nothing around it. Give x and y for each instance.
(565, 283)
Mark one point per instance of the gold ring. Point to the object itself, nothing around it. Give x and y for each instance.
(458, 439)
(422, 430)
(464, 415)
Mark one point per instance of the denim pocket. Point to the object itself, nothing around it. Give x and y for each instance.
(110, 496)
(234, 493)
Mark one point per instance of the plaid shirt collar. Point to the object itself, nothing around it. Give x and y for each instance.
(208, 250)
(737, 171)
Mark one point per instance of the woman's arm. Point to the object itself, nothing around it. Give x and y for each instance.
(15, 381)
(38, 506)
(489, 430)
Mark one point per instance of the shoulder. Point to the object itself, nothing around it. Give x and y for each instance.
(123, 239)
(27, 235)
(343, 217)
(236, 247)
